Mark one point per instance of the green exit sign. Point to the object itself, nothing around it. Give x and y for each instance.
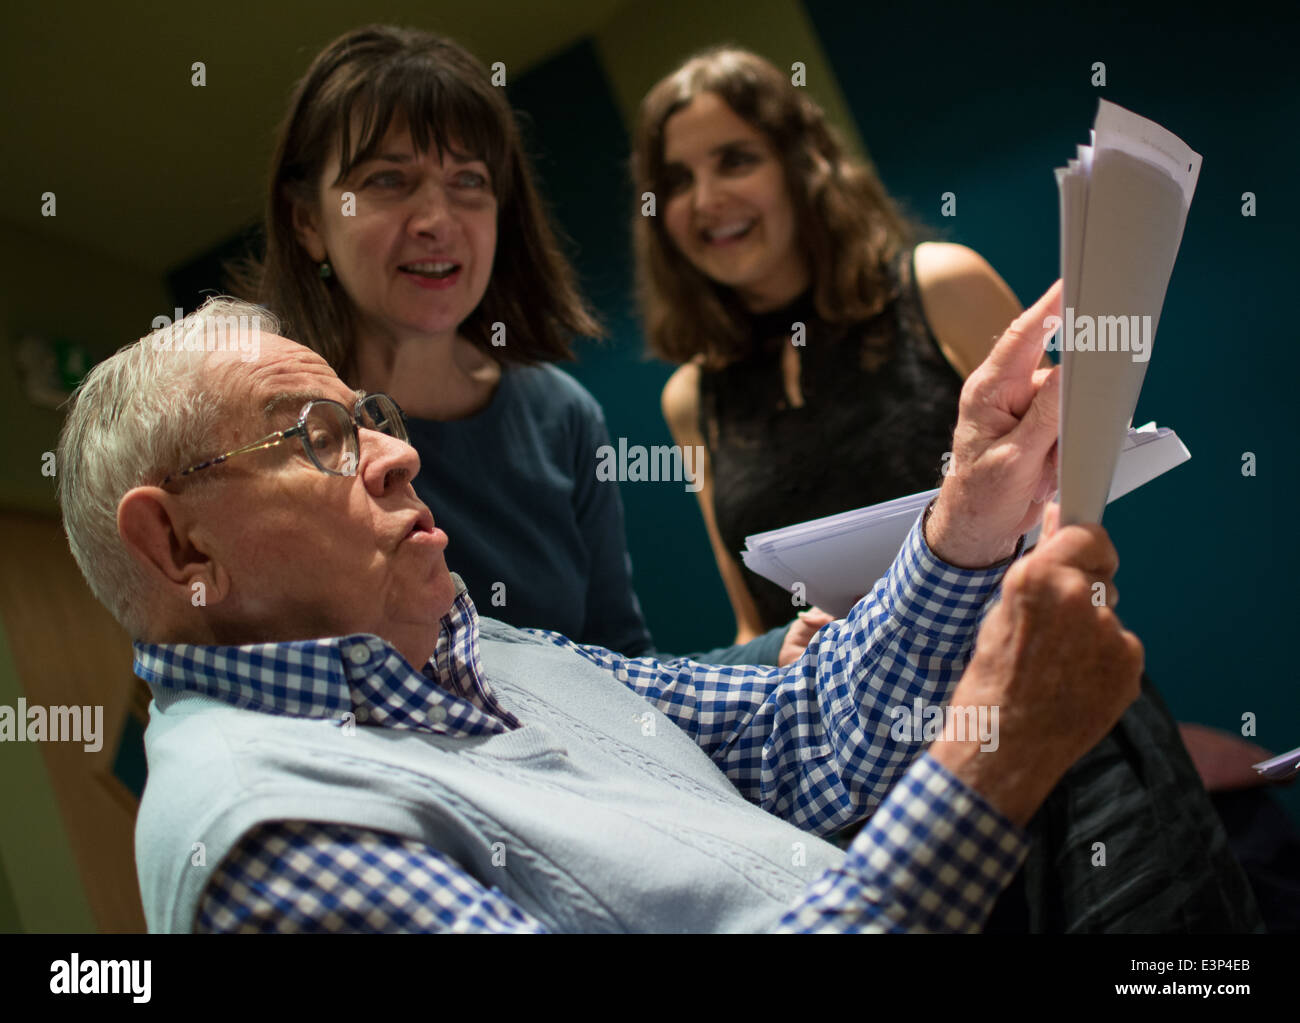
(51, 368)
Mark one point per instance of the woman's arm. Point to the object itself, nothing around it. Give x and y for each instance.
(681, 408)
(966, 303)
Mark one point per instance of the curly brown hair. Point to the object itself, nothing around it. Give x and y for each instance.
(847, 224)
(444, 94)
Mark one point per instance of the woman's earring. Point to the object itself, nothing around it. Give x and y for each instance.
(326, 271)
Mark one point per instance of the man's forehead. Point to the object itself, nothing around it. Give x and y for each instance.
(284, 370)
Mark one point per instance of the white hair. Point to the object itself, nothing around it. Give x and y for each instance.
(139, 415)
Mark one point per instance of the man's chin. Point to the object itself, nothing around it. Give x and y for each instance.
(439, 594)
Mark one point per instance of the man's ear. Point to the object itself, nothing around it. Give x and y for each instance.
(306, 227)
(159, 535)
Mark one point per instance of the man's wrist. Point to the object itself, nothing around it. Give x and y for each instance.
(1010, 793)
(936, 855)
(1016, 791)
(951, 542)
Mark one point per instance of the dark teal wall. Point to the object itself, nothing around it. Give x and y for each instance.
(580, 149)
(986, 107)
(950, 99)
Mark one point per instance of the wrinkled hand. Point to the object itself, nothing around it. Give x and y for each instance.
(1004, 447)
(1055, 660)
(801, 630)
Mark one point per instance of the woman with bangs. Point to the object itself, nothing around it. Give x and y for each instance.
(406, 243)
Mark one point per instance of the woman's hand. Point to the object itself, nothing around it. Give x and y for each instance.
(801, 630)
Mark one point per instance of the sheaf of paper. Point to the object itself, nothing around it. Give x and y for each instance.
(1123, 206)
(837, 559)
(1283, 766)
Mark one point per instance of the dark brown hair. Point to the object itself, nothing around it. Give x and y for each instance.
(445, 95)
(846, 222)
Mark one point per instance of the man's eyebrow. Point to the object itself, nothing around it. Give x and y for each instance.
(297, 399)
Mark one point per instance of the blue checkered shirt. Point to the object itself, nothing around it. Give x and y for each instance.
(933, 856)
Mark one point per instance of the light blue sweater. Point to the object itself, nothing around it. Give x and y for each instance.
(581, 817)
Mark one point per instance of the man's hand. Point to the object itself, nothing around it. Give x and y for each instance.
(801, 630)
(1058, 665)
(1004, 447)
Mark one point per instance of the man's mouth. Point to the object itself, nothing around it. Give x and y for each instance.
(422, 526)
(728, 232)
(435, 270)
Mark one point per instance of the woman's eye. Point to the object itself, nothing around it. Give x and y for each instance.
(736, 158)
(385, 179)
(674, 183)
(471, 179)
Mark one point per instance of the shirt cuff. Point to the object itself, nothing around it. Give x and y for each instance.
(944, 853)
(934, 857)
(938, 600)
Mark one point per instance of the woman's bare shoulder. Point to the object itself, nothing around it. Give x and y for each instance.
(681, 398)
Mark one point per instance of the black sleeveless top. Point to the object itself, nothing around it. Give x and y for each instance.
(880, 404)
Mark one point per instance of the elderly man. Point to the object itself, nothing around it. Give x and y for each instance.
(338, 742)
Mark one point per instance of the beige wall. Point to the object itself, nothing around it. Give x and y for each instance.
(65, 840)
(645, 40)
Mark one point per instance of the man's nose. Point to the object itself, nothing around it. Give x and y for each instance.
(386, 462)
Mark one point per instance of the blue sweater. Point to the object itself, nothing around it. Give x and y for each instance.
(539, 541)
(607, 828)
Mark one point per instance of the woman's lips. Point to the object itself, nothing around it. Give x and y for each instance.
(728, 234)
(432, 283)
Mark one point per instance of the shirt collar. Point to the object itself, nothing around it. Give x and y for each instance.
(323, 677)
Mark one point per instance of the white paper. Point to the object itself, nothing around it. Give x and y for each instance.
(1123, 207)
(1284, 766)
(837, 559)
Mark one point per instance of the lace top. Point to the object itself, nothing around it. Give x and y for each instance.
(879, 406)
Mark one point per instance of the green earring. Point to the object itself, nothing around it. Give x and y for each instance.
(326, 271)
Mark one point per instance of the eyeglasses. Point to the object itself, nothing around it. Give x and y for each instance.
(328, 432)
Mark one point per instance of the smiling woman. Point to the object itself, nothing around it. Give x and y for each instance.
(821, 351)
(397, 157)
(406, 244)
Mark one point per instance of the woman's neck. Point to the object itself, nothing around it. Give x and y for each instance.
(780, 289)
(443, 377)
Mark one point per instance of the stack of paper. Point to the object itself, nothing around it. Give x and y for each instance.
(837, 559)
(1280, 768)
(1124, 203)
